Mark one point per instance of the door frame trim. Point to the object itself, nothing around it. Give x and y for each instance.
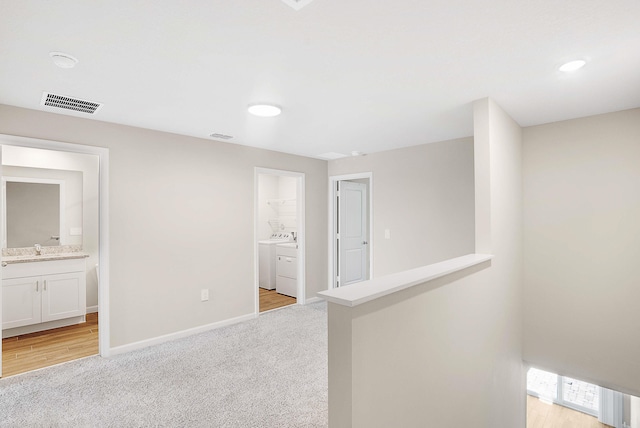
(300, 221)
(333, 218)
(103, 222)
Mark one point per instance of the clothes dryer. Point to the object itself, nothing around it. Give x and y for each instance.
(267, 259)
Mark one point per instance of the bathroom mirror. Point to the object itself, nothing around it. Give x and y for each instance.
(32, 211)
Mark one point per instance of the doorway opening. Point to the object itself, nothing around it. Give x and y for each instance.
(279, 239)
(351, 229)
(50, 301)
(555, 400)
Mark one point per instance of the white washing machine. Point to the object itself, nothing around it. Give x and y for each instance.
(267, 259)
(287, 269)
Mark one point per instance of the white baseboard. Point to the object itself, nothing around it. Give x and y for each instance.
(92, 309)
(313, 300)
(177, 335)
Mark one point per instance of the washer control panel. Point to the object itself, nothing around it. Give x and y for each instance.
(281, 236)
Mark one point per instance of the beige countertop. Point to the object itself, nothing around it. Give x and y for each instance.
(28, 254)
(43, 258)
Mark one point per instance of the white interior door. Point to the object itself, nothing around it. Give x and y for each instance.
(352, 233)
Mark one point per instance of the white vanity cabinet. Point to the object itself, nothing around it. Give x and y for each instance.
(40, 292)
(21, 302)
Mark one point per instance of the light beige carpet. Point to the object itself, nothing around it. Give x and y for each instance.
(267, 372)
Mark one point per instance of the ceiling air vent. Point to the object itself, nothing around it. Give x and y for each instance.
(221, 136)
(69, 103)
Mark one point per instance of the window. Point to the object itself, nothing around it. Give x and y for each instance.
(565, 391)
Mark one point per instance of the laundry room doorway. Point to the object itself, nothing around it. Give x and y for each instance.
(279, 255)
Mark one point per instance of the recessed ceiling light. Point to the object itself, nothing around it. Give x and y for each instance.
(332, 155)
(264, 110)
(572, 65)
(63, 60)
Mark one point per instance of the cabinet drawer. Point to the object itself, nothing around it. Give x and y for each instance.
(21, 270)
(287, 267)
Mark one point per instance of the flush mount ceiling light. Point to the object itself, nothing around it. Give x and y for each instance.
(264, 110)
(219, 136)
(63, 60)
(297, 4)
(572, 65)
(332, 155)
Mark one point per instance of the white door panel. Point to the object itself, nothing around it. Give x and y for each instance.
(352, 233)
(352, 200)
(353, 266)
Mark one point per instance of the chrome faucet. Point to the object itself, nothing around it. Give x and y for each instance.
(38, 249)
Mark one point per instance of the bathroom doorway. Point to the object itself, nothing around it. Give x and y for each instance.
(278, 239)
(58, 278)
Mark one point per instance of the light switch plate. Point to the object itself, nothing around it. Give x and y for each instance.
(204, 294)
(387, 234)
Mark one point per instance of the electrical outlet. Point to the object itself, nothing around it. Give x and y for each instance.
(204, 294)
(387, 234)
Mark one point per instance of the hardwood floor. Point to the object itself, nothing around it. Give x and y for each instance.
(543, 415)
(270, 299)
(45, 348)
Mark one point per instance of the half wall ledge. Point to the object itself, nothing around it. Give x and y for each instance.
(366, 291)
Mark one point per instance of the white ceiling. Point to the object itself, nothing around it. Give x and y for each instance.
(355, 75)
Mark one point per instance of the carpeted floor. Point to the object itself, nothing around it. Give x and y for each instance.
(267, 372)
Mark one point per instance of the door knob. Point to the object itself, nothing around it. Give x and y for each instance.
(364, 242)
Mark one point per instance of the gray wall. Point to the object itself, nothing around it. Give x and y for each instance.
(582, 248)
(267, 189)
(181, 219)
(447, 352)
(424, 195)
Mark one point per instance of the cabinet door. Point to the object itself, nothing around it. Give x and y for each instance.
(21, 302)
(63, 296)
